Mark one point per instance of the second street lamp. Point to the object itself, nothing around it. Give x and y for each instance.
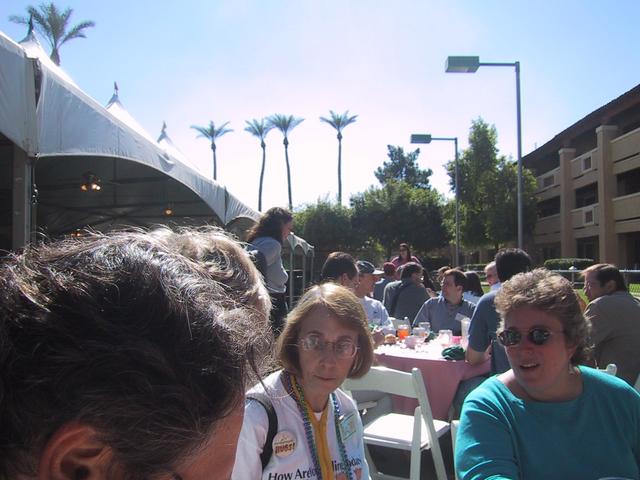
(471, 65)
(426, 138)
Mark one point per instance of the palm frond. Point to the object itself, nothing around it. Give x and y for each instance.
(339, 121)
(258, 128)
(284, 123)
(204, 132)
(78, 31)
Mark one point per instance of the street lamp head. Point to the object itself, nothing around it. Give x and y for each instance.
(462, 64)
(420, 138)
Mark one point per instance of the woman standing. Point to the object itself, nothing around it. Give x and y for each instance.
(267, 236)
(547, 417)
(404, 256)
(319, 431)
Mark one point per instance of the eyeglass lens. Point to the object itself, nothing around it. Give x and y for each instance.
(537, 336)
(341, 348)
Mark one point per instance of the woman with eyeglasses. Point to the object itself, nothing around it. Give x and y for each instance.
(548, 417)
(319, 431)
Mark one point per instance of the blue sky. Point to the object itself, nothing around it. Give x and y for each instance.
(192, 61)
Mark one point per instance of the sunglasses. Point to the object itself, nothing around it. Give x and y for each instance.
(537, 336)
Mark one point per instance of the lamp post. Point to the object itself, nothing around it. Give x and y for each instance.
(471, 65)
(426, 138)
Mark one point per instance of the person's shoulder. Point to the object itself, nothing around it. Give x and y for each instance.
(487, 300)
(346, 402)
(269, 385)
(392, 285)
(491, 391)
(599, 378)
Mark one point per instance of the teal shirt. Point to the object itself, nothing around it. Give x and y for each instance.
(593, 436)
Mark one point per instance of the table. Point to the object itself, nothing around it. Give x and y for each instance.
(441, 377)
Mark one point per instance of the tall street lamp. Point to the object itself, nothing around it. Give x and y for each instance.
(426, 138)
(471, 65)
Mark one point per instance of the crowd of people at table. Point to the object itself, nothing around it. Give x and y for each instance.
(168, 355)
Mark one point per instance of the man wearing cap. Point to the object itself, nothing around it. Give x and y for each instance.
(389, 270)
(376, 313)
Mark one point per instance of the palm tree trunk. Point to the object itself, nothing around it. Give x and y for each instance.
(286, 157)
(339, 170)
(264, 158)
(215, 163)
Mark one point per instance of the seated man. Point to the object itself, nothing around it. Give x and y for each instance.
(615, 320)
(403, 298)
(485, 320)
(442, 311)
(376, 313)
(121, 358)
(389, 270)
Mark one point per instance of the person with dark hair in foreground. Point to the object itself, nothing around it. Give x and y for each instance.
(547, 417)
(319, 432)
(122, 359)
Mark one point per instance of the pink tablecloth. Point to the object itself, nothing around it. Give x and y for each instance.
(441, 377)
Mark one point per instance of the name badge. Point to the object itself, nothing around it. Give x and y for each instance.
(284, 443)
(348, 426)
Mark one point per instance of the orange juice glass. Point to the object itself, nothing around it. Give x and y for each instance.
(403, 331)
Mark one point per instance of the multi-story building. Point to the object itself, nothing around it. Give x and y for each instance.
(589, 186)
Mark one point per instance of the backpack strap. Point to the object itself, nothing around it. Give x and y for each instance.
(263, 399)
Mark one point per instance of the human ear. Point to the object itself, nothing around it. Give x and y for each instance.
(74, 452)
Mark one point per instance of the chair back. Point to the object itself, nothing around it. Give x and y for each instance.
(410, 385)
(611, 369)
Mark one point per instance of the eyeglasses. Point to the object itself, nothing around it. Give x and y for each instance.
(341, 348)
(537, 336)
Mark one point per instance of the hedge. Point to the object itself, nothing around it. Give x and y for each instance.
(566, 263)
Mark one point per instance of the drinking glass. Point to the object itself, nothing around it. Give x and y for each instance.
(403, 331)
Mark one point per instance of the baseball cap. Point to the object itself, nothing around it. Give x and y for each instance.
(367, 267)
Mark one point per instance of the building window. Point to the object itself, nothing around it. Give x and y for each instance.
(588, 217)
(586, 163)
(629, 182)
(587, 195)
(588, 248)
(547, 181)
(549, 207)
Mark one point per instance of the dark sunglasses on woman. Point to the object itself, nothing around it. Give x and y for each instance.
(537, 335)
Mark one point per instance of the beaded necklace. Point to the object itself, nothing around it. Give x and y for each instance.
(295, 390)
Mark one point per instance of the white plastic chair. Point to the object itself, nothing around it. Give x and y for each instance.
(454, 431)
(393, 430)
(611, 369)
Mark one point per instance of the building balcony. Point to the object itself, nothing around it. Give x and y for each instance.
(627, 207)
(626, 146)
(546, 225)
(584, 164)
(585, 216)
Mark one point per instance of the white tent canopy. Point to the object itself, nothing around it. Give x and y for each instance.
(49, 117)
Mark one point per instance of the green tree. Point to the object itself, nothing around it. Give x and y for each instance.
(339, 122)
(53, 25)
(404, 167)
(211, 133)
(326, 226)
(285, 123)
(399, 212)
(487, 191)
(259, 129)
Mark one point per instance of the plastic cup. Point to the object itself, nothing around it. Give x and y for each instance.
(403, 331)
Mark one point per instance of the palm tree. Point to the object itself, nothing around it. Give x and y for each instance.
(285, 123)
(339, 122)
(259, 129)
(53, 25)
(211, 133)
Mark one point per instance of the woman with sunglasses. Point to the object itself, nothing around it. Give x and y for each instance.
(319, 432)
(547, 417)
